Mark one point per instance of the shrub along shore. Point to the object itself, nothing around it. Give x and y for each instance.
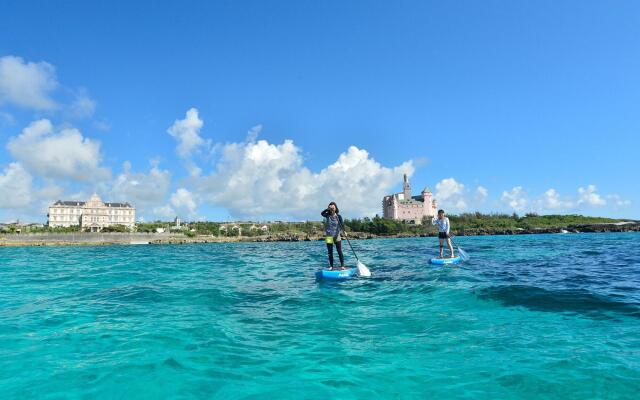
(470, 224)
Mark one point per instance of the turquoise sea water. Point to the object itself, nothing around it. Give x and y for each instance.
(535, 316)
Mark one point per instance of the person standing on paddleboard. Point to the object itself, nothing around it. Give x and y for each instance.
(332, 228)
(444, 228)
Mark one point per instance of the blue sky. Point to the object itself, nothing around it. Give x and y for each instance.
(496, 106)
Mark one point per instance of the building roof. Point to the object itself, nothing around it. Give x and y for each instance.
(117, 204)
(82, 203)
(426, 190)
(414, 200)
(69, 203)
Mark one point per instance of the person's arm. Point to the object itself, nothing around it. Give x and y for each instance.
(325, 213)
(434, 220)
(341, 224)
(448, 227)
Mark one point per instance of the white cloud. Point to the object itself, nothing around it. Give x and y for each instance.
(63, 154)
(448, 188)
(589, 196)
(82, 105)
(260, 178)
(21, 198)
(253, 133)
(551, 200)
(516, 198)
(101, 125)
(27, 84)
(32, 85)
(164, 212)
(455, 196)
(51, 192)
(183, 201)
(15, 186)
(143, 190)
(450, 194)
(618, 201)
(187, 132)
(481, 193)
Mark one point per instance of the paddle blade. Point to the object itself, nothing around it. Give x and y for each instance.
(363, 270)
(463, 254)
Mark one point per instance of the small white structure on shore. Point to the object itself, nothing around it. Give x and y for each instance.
(233, 227)
(263, 228)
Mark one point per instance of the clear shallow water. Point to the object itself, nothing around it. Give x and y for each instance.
(536, 316)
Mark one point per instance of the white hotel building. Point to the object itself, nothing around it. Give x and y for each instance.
(92, 215)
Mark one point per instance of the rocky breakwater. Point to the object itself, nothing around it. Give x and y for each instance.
(631, 226)
(305, 237)
(274, 237)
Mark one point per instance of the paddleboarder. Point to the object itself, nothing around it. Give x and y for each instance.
(444, 228)
(332, 229)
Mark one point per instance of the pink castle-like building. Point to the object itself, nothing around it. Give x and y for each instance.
(409, 208)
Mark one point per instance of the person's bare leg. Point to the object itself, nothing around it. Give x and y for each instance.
(450, 247)
(441, 248)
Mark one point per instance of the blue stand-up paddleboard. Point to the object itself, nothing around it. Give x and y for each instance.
(337, 274)
(446, 261)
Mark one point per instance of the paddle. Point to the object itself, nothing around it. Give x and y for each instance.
(362, 269)
(463, 254)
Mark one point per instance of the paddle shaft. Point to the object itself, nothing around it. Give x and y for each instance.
(462, 253)
(348, 241)
(454, 243)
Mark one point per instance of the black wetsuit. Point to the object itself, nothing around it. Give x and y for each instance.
(338, 243)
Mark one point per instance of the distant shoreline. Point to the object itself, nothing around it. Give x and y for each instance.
(105, 239)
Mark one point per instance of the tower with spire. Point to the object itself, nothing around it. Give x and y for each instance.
(406, 188)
